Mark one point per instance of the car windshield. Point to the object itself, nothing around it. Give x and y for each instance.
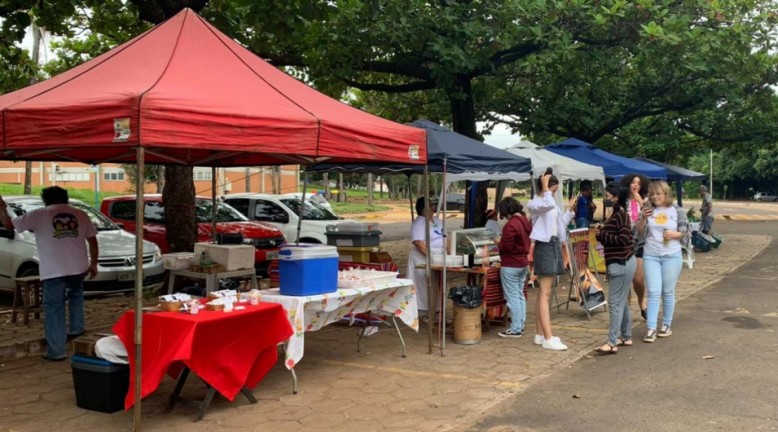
(313, 211)
(224, 212)
(101, 222)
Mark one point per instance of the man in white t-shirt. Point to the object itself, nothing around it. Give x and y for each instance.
(62, 233)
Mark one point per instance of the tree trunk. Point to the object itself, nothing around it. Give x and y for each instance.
(370, 189)
(35, 56)
(341, 192)
(463, 119)
(160, 178)
(326, 181)
(178, 194)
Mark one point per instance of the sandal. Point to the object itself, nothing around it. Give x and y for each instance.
(624, 342)
(644, 313)
(606, 349)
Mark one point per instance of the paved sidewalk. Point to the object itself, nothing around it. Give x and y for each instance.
(341, 389)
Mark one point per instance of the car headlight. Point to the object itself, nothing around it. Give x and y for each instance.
(157, 254)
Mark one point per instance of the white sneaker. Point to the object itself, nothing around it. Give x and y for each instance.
(539, 339)
(554, 344)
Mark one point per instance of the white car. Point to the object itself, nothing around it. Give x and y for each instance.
(313, 197)
(283, 212)
(115, 262)
(763, 196)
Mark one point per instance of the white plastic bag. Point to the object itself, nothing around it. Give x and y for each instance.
(112, 349)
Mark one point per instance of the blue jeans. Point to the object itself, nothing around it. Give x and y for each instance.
(513, 287)
(54, 293)
(582, 222)
(619, 282)
(661, 273)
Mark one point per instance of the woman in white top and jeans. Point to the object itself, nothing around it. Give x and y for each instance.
(663, 225)
(549, 225)
(419, 250)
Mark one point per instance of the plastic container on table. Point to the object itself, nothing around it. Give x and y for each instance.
(356, 254)
(100, 385)
(354, 227)
(307, 269)
(352, 239)
(177, 260)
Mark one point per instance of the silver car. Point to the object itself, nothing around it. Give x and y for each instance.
(115, 263)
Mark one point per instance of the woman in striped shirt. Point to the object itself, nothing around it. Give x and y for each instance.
(616, 238)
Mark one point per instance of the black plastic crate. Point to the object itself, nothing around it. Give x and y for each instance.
(349, 239)
(100, 385)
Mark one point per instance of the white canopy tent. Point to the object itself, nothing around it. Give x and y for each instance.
(564, 168)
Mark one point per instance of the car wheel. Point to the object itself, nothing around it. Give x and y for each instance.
(461, 208)
(29, 270)
(310, 240)
(759, 200)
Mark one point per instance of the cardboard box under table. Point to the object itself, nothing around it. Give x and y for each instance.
(308, 269)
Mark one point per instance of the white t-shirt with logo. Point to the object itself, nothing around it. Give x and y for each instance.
(60, 234)
(663, 218)
(418, 232)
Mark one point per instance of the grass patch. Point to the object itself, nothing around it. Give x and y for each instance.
(346, 208)
(85, 195)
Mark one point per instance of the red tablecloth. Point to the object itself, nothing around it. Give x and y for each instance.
(228, 350)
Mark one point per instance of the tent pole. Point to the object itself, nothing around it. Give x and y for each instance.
(139, 213)
(431, 300)
(443, 281)
(213, 204)
(302, 207)
(410, 195)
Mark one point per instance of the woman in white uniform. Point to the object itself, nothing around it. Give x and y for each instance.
(419, 251)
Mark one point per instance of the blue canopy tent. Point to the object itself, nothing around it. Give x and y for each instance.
(448, 152)
(614, 166)
(676, 174)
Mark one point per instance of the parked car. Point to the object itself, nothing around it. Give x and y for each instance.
(763, 196)
(455, 201)
(314, 197)
(265, 238)
(115, 262)
(283, 211)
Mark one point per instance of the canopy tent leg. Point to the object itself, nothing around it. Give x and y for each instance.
(139, 213)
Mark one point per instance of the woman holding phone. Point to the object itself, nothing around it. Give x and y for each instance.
(617, 240)
(663, 225)
(549, 225)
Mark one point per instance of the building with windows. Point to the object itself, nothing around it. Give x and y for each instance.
(113, 177)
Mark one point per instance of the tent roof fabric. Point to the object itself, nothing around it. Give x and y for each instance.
(675, 173)
(191, 95)
(613, 165)
(462, 154)
(564, 167)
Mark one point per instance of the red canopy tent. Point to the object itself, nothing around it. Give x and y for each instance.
(185, 94)
(190, 95)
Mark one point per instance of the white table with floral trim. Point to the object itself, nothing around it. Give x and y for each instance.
(396, 299)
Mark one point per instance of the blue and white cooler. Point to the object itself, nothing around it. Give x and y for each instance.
(307, 269)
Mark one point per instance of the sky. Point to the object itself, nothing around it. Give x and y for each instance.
(501, 136)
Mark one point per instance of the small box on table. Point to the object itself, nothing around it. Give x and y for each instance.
(177, 260)
(307, 269)
(100, 385)
(232, 257)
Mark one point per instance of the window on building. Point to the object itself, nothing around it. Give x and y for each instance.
(70, 177)
(113, 176)
(202, 175)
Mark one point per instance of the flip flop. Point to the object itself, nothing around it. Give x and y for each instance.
(624, 342)
(643, 313)
(609, 350)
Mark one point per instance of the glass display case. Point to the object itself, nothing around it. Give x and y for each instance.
(475, 242)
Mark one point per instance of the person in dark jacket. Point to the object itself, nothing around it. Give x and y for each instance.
(617, 240)
(514, 259)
